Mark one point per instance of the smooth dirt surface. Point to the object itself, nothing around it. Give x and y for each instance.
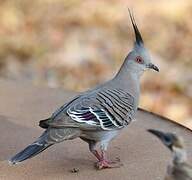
(21, 108)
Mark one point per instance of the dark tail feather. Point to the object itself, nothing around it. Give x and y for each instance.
(44, 123)
(29, 152)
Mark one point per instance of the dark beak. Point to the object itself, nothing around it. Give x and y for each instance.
(152, 66)
(157, 133)
(166, 138)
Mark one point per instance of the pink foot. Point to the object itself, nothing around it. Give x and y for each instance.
(103, 164)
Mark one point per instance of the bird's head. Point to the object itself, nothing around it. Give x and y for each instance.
(170, 140)
(139, 58)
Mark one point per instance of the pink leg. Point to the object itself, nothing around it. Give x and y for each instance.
(92, 148)
(103, 163)
(96, 154)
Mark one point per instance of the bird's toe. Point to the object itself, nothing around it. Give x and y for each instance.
(104, 164)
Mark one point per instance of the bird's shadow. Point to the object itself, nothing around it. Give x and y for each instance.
(13, 137)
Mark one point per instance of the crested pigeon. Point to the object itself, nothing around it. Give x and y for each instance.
(97, 115)
(179, 168)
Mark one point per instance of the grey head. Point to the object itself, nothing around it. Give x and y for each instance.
(170, 140)
(138, 60)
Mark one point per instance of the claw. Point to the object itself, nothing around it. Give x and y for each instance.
(103, 164)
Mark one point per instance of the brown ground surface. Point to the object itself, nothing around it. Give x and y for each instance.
(22, 106)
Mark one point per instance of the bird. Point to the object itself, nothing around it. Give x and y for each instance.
(179, 169)
(99, 114)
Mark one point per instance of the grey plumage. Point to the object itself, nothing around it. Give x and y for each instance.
(179, 169)
(97, 115)
(107, 109)
(31, 150)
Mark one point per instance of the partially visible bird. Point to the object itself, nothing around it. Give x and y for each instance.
(179, 169)
(97, 115)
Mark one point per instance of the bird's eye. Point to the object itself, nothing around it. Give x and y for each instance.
(167, 139)
(139, 59)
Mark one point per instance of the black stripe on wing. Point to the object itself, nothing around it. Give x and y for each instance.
(96, 116)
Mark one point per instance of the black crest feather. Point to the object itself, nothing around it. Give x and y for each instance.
(138, 37)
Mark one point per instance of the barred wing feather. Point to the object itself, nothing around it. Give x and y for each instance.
(108, 109)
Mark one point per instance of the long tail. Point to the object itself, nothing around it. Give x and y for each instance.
(48, 138)
(30, 151)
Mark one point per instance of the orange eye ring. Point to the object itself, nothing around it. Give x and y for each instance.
(139, 59)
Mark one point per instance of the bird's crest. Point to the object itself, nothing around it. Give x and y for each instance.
(138, 37)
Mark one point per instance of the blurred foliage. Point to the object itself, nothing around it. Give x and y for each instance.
(78, 44)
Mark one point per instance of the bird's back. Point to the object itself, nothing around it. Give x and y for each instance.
(106, 105)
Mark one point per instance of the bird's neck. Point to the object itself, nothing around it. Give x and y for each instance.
(127, 71)
(129, 80)
(179, 155)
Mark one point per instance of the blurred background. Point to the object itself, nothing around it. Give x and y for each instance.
(78, 44)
